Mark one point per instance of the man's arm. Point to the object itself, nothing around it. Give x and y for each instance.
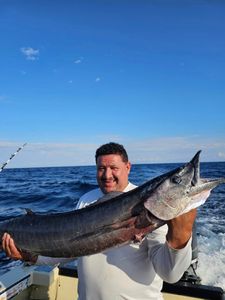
(170, 247)
(180, 229)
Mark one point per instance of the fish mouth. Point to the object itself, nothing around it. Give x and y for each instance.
(199, 184)
(195, 162)
(206, 185)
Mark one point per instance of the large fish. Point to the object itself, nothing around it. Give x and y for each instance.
(108, 223)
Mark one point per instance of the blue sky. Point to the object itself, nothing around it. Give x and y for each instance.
(148, 74)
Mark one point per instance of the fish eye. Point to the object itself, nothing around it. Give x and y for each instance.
(176, 179)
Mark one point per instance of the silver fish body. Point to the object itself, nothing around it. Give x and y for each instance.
(108, 223)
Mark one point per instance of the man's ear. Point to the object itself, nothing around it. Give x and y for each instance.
(128, 167)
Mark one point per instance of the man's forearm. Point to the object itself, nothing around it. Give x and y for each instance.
(180, 230)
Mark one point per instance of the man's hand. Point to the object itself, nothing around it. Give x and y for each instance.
(180, 229)
(13, 252)
(10, 248)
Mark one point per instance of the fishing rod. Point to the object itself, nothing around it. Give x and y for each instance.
(11, 157)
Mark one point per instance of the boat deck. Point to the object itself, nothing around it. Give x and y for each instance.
(60, 283)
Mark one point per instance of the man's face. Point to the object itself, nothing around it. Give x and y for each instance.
(112, 173)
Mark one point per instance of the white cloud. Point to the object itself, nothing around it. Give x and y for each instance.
(221, 155)
(30, 53)
(47, 154)
(152, 150)
(175, 149)
(79, 60)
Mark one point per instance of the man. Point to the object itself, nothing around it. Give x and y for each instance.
(136, 270)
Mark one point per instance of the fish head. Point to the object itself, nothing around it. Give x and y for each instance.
(178, 190)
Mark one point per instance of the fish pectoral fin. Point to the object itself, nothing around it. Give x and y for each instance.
(143, 220)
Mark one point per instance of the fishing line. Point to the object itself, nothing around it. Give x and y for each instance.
(11, 157)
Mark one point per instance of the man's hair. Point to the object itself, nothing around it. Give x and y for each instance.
(112, 148)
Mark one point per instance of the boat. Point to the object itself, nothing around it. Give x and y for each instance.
(25, 282)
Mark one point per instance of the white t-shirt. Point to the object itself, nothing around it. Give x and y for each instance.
(133, 271)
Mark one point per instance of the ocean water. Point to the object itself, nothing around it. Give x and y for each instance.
(58, 190)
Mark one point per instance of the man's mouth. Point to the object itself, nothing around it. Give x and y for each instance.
(108, 182)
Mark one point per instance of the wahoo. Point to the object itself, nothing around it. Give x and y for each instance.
(113, 220)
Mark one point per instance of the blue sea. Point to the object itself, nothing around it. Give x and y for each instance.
(58, 189)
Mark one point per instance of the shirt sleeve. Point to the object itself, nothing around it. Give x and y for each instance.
(52, 261)
(169, 263)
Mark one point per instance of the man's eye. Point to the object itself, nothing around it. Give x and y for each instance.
(176, 179)
(101, 168)
(115, 168)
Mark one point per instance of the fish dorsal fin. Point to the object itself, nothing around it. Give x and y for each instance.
(108, 196)
(29, 212)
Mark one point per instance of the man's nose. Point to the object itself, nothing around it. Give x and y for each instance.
(108, 173)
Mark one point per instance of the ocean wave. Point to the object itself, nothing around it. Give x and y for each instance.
(211, 257)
